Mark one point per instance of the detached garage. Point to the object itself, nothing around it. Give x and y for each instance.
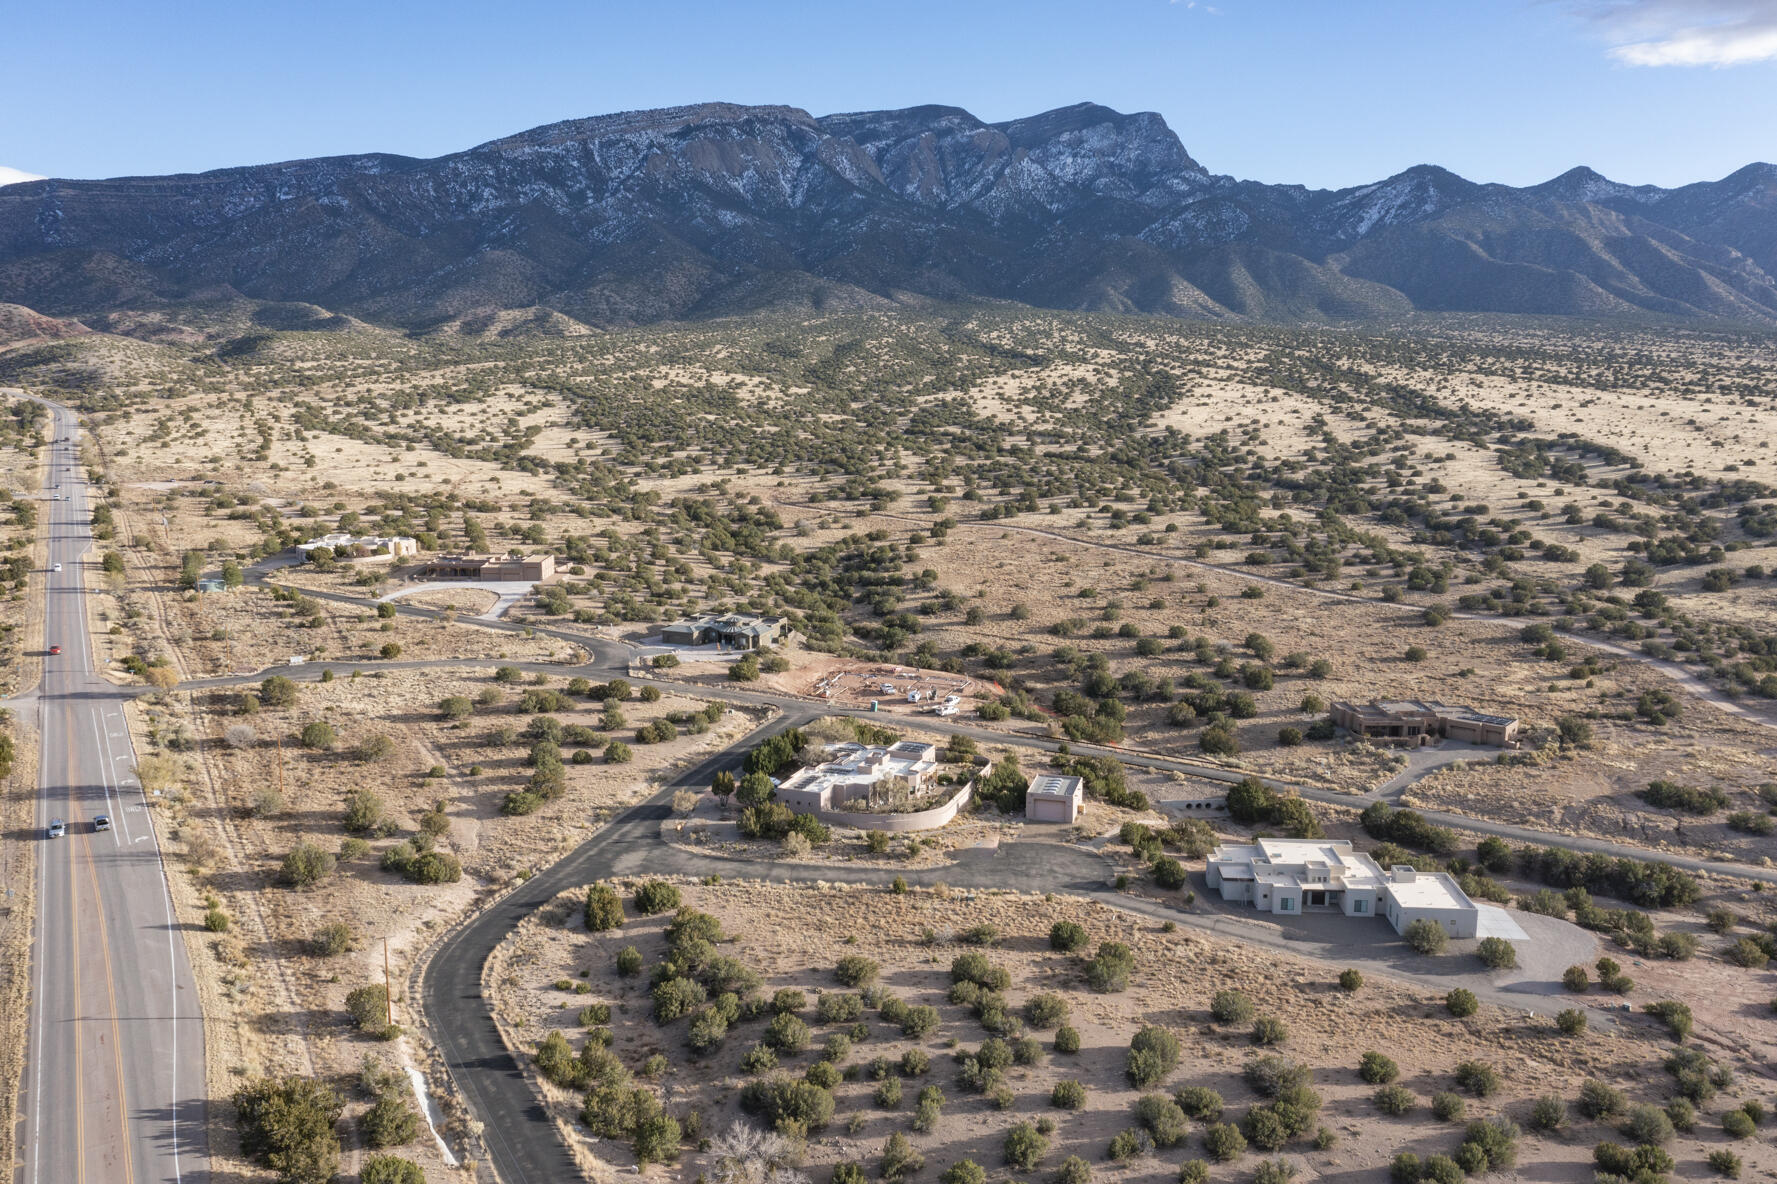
(1054, 799)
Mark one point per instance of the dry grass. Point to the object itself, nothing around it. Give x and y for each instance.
(794, 935)
(18, 871)
(271, 1003)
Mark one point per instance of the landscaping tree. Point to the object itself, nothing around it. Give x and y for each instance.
(1230, 1007)
(899, 1159)
(369, 1009)
(1427, 937)
(391, 1120)
(277, 691)
(1111, 968)
(1496, 953)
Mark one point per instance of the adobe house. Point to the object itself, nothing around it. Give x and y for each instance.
(1414, 722)
(527, 569)
(524, 569)
(454, 567)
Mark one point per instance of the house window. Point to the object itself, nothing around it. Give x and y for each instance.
(1360, 906)
(1285, 904)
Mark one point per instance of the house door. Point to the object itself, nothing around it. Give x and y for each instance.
(1314, 898)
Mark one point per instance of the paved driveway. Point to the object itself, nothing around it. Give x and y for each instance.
(1422, 761)
(510, 592)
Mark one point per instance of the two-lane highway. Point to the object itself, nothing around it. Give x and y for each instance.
(114, 1089)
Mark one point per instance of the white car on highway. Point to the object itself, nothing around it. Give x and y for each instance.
(57, 567)
(57, 828)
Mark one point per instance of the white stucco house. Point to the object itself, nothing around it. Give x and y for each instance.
(1054, 799)
(1430, 896)
(1292, 876)
(374, 546)
(854, 771)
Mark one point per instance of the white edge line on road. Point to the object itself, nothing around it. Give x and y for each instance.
(166, 898)
(42, 937)
(105, 777)
(166, 901)
(42, 898)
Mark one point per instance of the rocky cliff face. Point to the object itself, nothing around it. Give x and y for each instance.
(720, 208)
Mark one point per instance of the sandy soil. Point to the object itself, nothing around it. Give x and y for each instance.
(794, 935)
(272, 1004)
(18, 875)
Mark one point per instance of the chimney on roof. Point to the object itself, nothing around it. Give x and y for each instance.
(1403, 873)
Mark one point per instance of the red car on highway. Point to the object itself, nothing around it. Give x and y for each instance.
(55, 649)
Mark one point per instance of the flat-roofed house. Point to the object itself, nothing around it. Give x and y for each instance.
(455, 567)
(1290, 875)
(347, 546)
(693, 631)
(856, 771)
(735, 631)
(743, 631)
(520, 569)
(1430, 896)
(396, 546)
(1413, 722)
(1054, 799)
(515, 569)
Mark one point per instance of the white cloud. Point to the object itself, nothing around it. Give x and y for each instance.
(14, 176)
(1686, 32)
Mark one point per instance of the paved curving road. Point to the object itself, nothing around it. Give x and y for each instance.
(522, 1142)
(518, 1134)
(113, 1089)
(519, 1137)
(114, 1079)
(605, 667)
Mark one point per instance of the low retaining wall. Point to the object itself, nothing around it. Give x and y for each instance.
(923, 820)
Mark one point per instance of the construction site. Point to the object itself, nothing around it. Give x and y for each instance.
(890, 687)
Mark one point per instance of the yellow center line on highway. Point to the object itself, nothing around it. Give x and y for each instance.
(74, 971)
(123, 1105)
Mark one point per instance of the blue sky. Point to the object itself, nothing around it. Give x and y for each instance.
(1322, 92)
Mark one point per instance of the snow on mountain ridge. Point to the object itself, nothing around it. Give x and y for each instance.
(1082, 207)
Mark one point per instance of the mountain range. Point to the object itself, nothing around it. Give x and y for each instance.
(718, 209)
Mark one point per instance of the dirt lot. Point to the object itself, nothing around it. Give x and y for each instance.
(794, 935)
(858, 684)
